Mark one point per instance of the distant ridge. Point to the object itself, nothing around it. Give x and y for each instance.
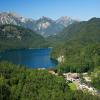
(44, 26)
(85, 31)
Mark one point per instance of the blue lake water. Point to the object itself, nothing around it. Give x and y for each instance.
(34, 58)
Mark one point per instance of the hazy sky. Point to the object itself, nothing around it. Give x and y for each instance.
(77, 9)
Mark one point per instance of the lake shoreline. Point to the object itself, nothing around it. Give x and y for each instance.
(30, 57)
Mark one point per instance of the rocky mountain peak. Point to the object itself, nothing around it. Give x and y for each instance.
(44, 25)
(65, 20)
(44, 19)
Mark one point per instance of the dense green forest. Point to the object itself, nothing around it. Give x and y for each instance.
(95, 75)
(80, 45)
(20, 83)
(12, 36)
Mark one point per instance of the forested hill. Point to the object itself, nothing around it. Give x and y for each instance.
(84, 32)
(12, 36)
(80, 45)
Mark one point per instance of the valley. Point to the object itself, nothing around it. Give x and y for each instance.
(75, 44)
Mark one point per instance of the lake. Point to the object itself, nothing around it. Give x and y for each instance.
(33, 58)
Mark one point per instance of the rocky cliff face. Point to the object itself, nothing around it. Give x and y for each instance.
(65, 21)
(44, 26)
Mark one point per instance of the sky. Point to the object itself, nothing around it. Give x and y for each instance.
(76, 9)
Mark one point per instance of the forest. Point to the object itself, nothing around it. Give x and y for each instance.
(20, 83)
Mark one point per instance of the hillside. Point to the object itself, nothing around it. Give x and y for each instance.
(20, 83)
(12, 36)
(80, 45)
(86, 31)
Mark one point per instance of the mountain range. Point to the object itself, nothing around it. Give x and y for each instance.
(44, 26)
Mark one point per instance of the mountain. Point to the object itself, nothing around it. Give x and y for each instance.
(85, 31)
(12, 36)
(65, 21)
(48, 27)
(11, 18)
(44, 26)
(79, 43)
(15, 19)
